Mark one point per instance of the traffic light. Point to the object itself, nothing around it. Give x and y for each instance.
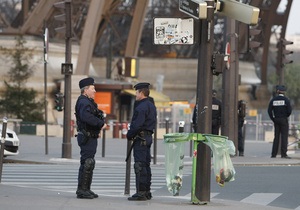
(283, 52)
(65, 7)
(128, 67)
(249, 38)
(218, 63)
(253, 37)
(59, 101)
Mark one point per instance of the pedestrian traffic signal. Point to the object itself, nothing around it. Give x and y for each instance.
(59, 101)
(283, 52)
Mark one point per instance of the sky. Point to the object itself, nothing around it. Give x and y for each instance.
(293, 26)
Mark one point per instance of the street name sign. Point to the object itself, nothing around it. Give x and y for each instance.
(195, 8)
(240, 11)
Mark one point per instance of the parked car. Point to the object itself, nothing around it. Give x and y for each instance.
(12, 142)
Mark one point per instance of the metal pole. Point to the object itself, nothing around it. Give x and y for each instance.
(230, 77)
(2, 144)
(67, 146)
(155, 146)
(103, 142)
(204, 101)
(280, 69)
(191, 142)
(167, 124)
(45, 86)
(181, 127)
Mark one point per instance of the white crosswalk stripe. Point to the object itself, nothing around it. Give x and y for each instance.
(261, 198)
(107, 181)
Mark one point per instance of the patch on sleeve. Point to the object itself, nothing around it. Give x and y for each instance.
(215, 107)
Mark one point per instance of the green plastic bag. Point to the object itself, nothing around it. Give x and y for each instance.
(222, 148)
(174, 154)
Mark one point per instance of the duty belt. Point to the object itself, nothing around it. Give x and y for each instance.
(146, 133)
(88, 134)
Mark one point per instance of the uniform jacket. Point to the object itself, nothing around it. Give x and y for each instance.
(87, 115)
(216, 111)
(279, 107)
(144, 118)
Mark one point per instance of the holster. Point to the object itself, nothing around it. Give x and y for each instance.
(86, 136)
(143, 140)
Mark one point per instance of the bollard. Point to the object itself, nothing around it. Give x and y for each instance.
(2, 145)
(181, 126)
(103, 142)
(155, 145)
(191, 142)
(116, 130)
(124, 130)
(167, 124)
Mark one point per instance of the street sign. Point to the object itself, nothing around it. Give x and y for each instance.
(240, 11)
(168, 31)
(195, 8)
(227, 55)
(46, 44)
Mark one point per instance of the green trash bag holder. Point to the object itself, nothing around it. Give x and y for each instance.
(174, 183)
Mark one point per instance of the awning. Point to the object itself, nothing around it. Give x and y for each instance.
(159, 98)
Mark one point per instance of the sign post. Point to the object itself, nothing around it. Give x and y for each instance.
(2, 144)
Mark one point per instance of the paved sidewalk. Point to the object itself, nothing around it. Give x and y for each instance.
(32, 150)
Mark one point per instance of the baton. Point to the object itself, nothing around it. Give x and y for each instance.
(134, 140)
(129, 153)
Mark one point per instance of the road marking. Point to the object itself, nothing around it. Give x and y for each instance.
(261, 198)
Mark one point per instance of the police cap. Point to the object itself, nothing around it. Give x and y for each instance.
(86, 82)
(214, 92)
(142, 85)
(281, 88)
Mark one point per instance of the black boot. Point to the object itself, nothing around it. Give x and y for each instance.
(89, 186)
(139, 196)
(82, 189)
(148, 195)
(84, 194)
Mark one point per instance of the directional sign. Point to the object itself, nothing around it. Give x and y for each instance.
(240, 11)
(195, 8)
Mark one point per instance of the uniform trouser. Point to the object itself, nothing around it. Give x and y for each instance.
(87, 153)
(142, 159)
(215, 129)
(241, 141)
(281, 129)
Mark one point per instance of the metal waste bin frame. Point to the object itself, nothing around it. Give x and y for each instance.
(197, 138)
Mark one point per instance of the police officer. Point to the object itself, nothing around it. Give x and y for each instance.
(141, 129)
(241, 119)
(279, 110)
(216, 108)
(90, 121)
(216, 113)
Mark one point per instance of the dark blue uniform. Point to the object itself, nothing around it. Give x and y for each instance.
(89, 123)
(241, 119)
(216, 115)
(141, 128)
(279, 110)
